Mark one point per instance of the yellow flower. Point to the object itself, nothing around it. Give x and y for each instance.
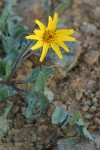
(50, 37)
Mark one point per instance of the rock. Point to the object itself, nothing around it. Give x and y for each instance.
(32, 10)
(15, 110)
(49, 94)
(97, 115)
(29, 120)
(90, 84)
(85, 108)
(91, 57)
(92, 109)
(89, 2)
(97, 94)
(94, 100)
(13, 132)
(74, 143)
(98, 109)
(69, 59)
(79, 95)
(88, 28)
(92, 95)
(52, 85)
(42, 128)
(33, 138)
(50, 111)
(16, 139)
(86, 102)
(97, 121)
(1, 4)
(59, 73)
(18, 145)
(19, 121)
(23, 110)
(61, 105)
(95, 14)
(88, 116)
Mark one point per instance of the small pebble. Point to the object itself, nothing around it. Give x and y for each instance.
(33, 139)
(1, 4)
(92, 95)
(15, 110)
(85, 108)
(94, 100)
(42, 128)
(88, 28)
(18, 145)
(97, 94)
(92, 109)
(97, 115)
(88, 116)
(97, 121)
(91, 57)
(86, 102)
(90, 84)
(78, 95)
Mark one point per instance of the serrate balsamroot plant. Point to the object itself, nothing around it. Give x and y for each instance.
(46, 37)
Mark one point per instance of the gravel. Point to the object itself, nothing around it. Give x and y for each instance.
(91, 57)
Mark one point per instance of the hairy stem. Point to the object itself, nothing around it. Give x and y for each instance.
(13, 82)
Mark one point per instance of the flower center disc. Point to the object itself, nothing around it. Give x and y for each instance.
(49, 36)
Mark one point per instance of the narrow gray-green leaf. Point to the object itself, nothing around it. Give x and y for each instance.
(59, 115)
(87, 134)
(7, 110)
(40, 83)
(44, 102)
(6, 91)
(75, 117)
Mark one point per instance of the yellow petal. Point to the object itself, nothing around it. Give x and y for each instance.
(44, 51)
(65, 38)
(56, 49)
(49, 23)
(65, 32)
(32, 37)
(61, 43)
(41, 25)
(37, 45)
(38, 32)
(54, 23)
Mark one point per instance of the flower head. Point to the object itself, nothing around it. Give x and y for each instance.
(50, 37)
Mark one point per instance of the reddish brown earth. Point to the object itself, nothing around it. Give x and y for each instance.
(78, 91)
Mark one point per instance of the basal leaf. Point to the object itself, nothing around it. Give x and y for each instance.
(80, 122)
(32, 100)
(5, 92)
(40, 83)
(44, 102)
(81, 129)
(75, 117)
(59, 115)
(66, 121)
(87, 134)
(47, 71)
(8, 68)
(2, 68)
(7, 109)
(3, 120)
